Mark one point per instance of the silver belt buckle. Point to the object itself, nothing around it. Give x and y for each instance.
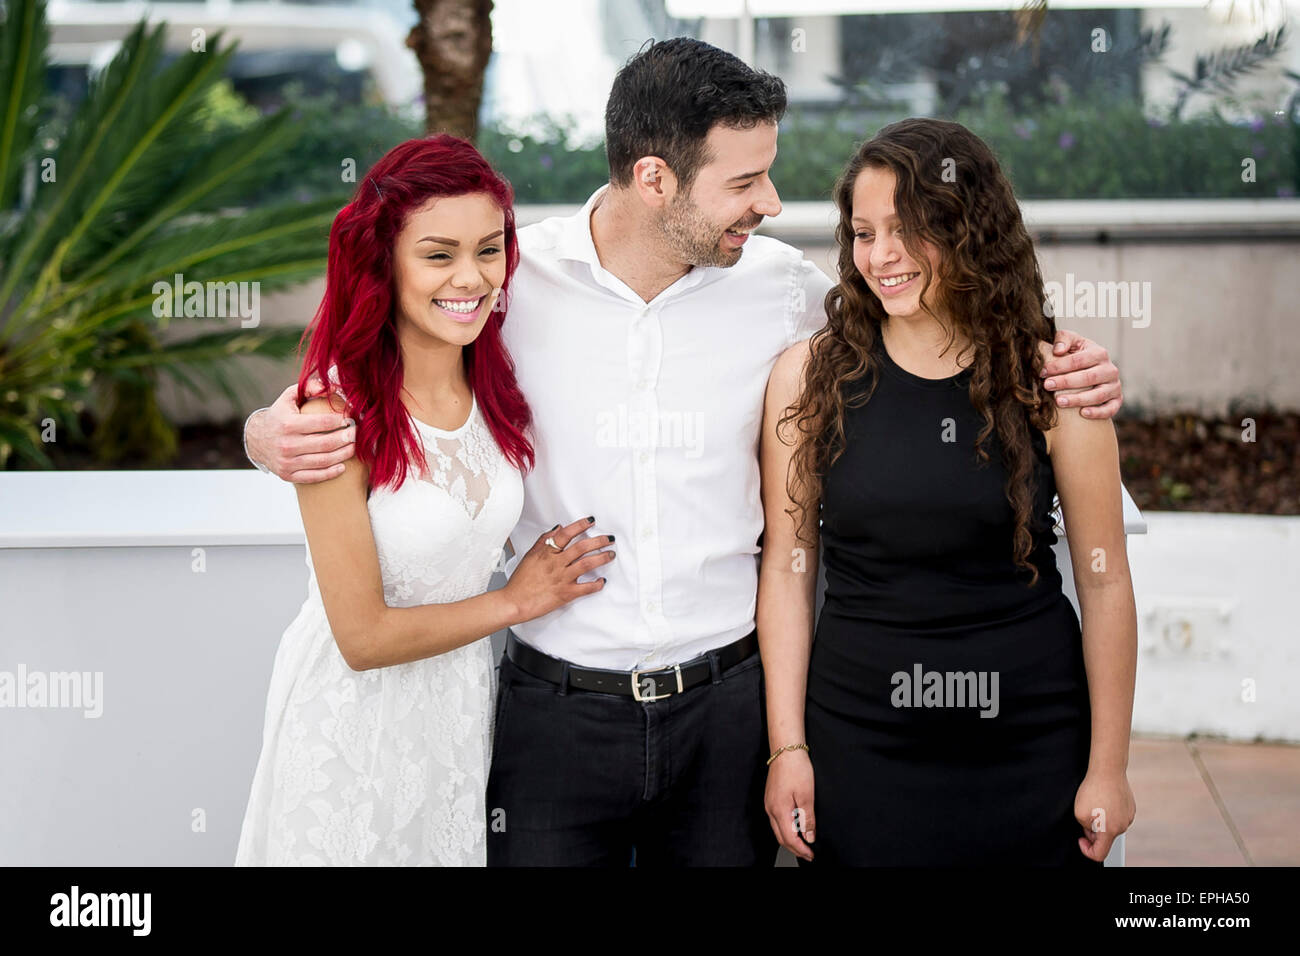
(636, 683)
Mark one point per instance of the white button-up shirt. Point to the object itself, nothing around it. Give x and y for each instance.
(647, 415)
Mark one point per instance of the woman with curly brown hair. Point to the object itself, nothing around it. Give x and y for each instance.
(950, 710)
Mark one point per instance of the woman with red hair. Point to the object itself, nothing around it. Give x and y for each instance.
(378, 729)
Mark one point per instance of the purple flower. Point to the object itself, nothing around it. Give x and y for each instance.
(1066, 141)
(1021, 130)
(1256, 124)
(1285, 192)
(546, 161)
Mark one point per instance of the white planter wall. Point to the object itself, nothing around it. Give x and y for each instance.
(99, 574)
(1217, 625)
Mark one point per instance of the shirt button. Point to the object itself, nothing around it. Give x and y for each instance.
(645, 456)
(645, 384)
(646, 533)
(651, 606)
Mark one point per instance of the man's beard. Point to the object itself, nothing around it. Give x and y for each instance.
(696, 240)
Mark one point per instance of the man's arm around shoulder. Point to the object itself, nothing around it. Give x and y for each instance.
(300, 447)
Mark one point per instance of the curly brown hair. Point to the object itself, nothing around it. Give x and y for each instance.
(990, 288)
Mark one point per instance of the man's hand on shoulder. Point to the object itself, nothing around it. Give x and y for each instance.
(1082, 375)
(302, 445)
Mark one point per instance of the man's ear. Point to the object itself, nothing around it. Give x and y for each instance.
(654, 182)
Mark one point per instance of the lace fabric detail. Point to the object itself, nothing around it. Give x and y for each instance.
(461, 462)
(389, 766)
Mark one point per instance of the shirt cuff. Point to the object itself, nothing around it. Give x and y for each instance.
(257, 464)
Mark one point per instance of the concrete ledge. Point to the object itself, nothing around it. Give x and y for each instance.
(120, 509)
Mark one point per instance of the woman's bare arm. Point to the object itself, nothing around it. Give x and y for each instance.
(371, 634)
(788, 572)
(1085, 459)
(786, 603)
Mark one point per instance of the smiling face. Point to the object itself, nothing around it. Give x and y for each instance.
(730, 195)
(449, 263)
(878, 251)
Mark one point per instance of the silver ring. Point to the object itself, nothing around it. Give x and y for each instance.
(551, 543)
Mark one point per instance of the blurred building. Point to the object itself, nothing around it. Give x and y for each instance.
(878, 58)
(354, 49)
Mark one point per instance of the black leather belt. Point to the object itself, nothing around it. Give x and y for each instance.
(652, 684)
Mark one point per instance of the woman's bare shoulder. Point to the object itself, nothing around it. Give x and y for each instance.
(788, 371)
(324, 404)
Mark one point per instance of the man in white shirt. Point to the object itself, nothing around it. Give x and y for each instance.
(631, 722)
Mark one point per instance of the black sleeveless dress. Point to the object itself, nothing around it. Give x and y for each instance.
(947, 712)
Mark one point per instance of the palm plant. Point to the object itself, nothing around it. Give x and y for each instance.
(136, 186)
(1218, 72)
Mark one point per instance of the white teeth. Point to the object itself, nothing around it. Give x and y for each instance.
(465, 308)
(898, 280)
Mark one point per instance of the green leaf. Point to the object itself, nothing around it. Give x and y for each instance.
(24, 43)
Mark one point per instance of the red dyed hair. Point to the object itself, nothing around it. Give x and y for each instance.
(355, 328)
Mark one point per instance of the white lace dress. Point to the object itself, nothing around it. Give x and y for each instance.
(389, 766)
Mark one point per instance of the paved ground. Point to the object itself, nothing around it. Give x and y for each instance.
(1209, 803)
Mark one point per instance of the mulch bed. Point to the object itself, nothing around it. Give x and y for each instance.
(1169, 463)
(1190, 463)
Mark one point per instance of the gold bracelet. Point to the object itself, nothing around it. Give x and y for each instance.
(784, 749)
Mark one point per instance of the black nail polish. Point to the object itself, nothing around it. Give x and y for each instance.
(552, 529)
(591, 519)
(611, 539)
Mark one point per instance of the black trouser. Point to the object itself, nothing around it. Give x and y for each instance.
(588, 779)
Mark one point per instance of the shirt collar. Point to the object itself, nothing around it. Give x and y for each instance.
(575, 238)
(575, 243)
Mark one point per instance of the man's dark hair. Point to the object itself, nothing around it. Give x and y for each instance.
(668, 96)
